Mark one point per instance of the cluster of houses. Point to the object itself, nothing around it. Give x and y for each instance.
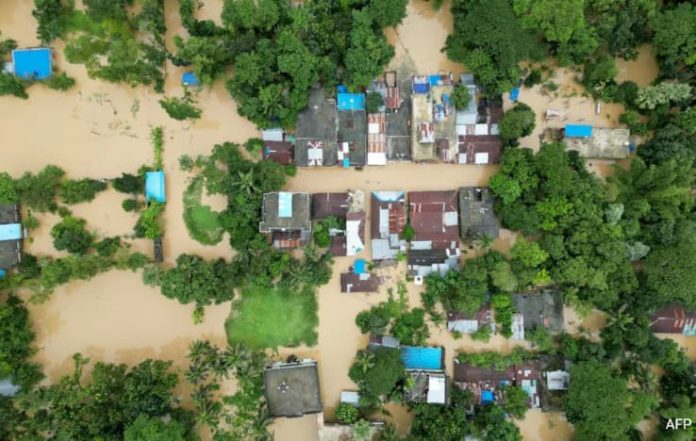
(426, 224)
(417, 121)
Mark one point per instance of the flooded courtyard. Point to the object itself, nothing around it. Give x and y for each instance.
(100, 130)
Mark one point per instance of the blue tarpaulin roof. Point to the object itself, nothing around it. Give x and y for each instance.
(487, 397)
(341, 89)
(154, 186)
(578, 131)
(284, 204)
(2, 273)
(351, 101)
(419, 357)
(515, 94)
(32, 64)
(10, 232)
(360, 266)
(190, 79)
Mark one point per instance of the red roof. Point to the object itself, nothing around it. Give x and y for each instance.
(472, 144)
(396, 212)
(278, 151)
(671, 319)
(434, 217)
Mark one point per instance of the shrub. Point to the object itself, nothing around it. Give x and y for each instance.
(11, 85)
(157, 138)
(8, 190)
(131, 205)
(83, 190)
(186, 163)
(533, 78)
(504, 309)
(180, 108)
(347, 413)
(70, 235)
(128, 183)
(254, 145)
(50, 14)
(461, 97)
(108, 246)
(152, 275)
(482, 334)
(60, 81)
(148, 224)
(408, 233)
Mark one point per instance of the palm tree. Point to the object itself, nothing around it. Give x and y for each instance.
(484, 241)
(245, 182)
(196, 373)
(365, 361)
(620, 318)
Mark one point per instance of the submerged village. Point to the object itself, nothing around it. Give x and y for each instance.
(218, 223)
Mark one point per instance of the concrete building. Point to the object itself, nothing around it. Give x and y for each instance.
(477, 215)
(285, 217)
(597, 143)
(317, 133)
(539, 309)
(292, 389)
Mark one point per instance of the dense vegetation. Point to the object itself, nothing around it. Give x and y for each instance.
(279, 51)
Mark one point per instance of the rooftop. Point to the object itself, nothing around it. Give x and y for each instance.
(467, 324)
(33, 63)
(330, 204)
(155, 186)
(388, 219)
(428, 387)
(423, 358)
(366, 282)
(674, 319)
(602, 144)
(541, 309)
(350, 101)
(434, 216)
(278, 151)
(10, 236)
(285, 211)
(477, 215)
(292, 389)
(399, 127)
(317, 128)
(352, 129)
(424, 262)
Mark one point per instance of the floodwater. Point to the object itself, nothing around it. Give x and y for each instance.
(100, 130)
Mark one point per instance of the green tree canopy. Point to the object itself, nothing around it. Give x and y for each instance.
(557, 19)
(72, 236)
(194, 280)
(517, 122)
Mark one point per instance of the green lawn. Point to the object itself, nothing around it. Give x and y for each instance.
(202, 222)
(269, 318)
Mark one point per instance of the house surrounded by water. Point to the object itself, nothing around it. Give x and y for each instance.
(11, 236)
(434, 217)
(537, 309)
(388, 219)
(674, 319)
(477, 215)
(285, 217)
(597, 143)
(292, 389)
(426, 368)
(477, 130)
(316, 132)
(352, 129)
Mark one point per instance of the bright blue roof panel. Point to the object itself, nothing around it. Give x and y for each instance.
(190, 79)
(360, 266)
(578, 131)
(284, 204)
(487, 397)
(419, 357)
(10, 232)
(154, 187)
(351, 101)
(515, 94)
(32, 64)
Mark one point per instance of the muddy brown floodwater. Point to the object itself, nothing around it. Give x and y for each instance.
(100, 130)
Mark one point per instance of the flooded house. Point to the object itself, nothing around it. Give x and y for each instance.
(389, 130)
(276, 147)
(674, 319)
(285, 217)
(477, 130)
(32, 64)
(538, 309)
(470, 323)
(477, 215)
(292, 389)
(359, 279)
(11, 236)
(316, 133)
(433, 120)
(426, 368)
(434, 217)
(488, 384)
(349, 208)
(595, 142)
(388, 219)
(352, 128)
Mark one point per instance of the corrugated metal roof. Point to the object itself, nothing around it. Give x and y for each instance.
(10, 232)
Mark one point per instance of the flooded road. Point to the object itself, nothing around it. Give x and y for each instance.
(100, 130)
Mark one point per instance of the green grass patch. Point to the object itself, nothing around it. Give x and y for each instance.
(202, 222)
(272, 317)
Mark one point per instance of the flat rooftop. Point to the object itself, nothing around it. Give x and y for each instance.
(292, 389)
(602, 144)
(285, 211)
